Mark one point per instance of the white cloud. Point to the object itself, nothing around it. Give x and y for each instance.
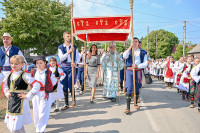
(157, 5)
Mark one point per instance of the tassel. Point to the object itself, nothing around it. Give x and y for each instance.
(2, 90)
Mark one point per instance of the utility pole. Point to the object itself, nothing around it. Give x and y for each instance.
(156, 45)
(184, 27)
(148, 39)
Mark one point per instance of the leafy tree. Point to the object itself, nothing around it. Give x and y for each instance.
(36, 24)
(165, 42)
(179, 50)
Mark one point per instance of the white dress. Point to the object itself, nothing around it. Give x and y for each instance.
(59, 94)
(16, 122)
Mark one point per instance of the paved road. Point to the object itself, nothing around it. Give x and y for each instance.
(162, 111)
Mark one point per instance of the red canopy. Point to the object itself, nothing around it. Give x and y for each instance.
(102, 29)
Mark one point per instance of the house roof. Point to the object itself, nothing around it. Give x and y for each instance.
(196, 49)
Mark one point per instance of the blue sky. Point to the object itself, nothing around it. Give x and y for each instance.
(157, 14)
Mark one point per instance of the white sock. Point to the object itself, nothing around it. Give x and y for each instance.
(57, 104)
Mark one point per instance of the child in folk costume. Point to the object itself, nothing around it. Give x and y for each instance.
(184, 82)
(178, 68)
(43, 100)
(58, 88)
(195, 74)
(193, 85)
(169, 73)
(16, 90)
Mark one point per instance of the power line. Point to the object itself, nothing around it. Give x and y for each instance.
(129, 10)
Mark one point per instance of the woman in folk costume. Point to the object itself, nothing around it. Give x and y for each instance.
(184, 82)
(16, 90)
(155, 68)
(178, 69)
(58, 88)
(169, 73)
(193, 85)
(151, 66)
(165, 70)
(112, 63)
(195, 74)
(162, 70)
(43, 100)
(159, 69)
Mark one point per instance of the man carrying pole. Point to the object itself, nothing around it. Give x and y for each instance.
(134, 70)
(65, 51)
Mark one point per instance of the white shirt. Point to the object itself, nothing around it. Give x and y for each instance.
(137, 58)
(67, 56)
(7, 61)
(81, 55)
(60, 71)
(194, 73)
(178, 67)
(35, 89)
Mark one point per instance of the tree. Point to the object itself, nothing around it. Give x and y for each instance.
(179, 50)
(165, 42)
(36, 24)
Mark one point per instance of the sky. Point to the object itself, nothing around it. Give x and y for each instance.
(157, 14)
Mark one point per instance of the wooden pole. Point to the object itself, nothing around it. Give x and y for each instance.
(72, 43)
(148, 39)
(133, 55)
(184, 27)
(156, 45)
(85, 65)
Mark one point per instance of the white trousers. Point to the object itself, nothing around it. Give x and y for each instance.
(41, 111)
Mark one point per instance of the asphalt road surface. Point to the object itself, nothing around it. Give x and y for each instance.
(162, 111)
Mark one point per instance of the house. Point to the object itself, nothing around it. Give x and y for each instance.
(195, 51)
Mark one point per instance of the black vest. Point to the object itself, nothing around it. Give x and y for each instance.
(20, 84)
(56, 73)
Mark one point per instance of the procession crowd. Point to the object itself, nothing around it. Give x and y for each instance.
(183, 75)
(50, 82)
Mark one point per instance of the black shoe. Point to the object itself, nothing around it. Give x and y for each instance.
(113, 99)
(91, 101)
(56, 110)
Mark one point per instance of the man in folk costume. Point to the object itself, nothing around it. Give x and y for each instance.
(140, 63)
(193, 85)
(177, 69)
(185, 78)
(81, 69)
(6, 52)
(65, 54)
(169, 73)
(112, 63)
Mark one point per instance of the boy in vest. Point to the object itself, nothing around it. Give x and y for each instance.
(140, 63)
(6, 52)
(43, 100)
(81, 69)
(65, 54)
